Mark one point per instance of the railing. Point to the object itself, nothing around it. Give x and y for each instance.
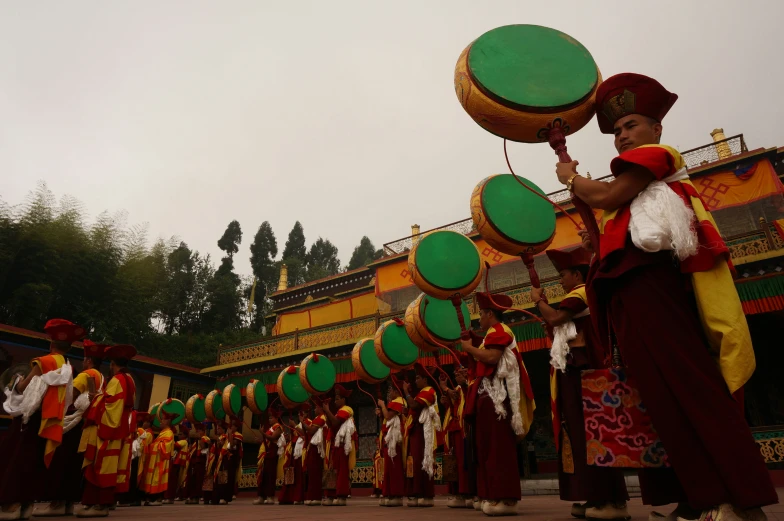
(716, 151)
(348, 331)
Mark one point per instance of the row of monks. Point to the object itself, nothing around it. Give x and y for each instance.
(76, 438)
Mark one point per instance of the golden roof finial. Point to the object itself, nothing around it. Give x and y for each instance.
(283, 282)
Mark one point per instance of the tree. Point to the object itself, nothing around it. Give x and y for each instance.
(295, 255)
(223, 299)
(232, 237)
(364, 254)
(262, 254)
(322, 260)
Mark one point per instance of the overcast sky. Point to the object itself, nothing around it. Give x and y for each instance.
(188, 114)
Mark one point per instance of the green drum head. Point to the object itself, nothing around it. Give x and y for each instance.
(448, 260)
(398, 347)
(217, 407)
(235, 399)
(321, 374)
(260, 396)
(517, 213)
(530, 66)
(293, 389)
(156, 422)
(199, 413)
(370, 361)
(440, 317)
(175, 407)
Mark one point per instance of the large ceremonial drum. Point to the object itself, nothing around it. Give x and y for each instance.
(194, 409)
(317, 374)
(366, 362)
(213, 406)
(256, 396)
(290, 389)
(430, 322)
(444, 264)
(172, 406)
(519, 81)
(155, 421)
(232, 400)
(393, 347)
(511, 218)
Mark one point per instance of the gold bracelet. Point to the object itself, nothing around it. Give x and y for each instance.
(570, 183)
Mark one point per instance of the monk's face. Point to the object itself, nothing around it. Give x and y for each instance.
(340, 401)
(421, 382)
(485, 318)
(634, 130)
(570, 279)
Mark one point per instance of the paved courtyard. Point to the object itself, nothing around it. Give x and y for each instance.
(533, 508)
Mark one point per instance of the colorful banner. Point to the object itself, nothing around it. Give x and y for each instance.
(742, 185)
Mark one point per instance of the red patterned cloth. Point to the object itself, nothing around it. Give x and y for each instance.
(618, 430)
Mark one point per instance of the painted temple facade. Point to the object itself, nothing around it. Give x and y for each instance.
(741, 187)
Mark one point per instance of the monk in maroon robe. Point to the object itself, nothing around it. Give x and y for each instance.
(602, 489)
(648, 288)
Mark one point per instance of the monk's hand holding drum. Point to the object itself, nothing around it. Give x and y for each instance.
(587, 244)
(565, 171)
(536, 294)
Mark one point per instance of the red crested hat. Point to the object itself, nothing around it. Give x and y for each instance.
(563, 260)
(396, 406)
(630, 93)
(164, 414)
(62, 330)
(499, 302)
(125, 351)
(93, 350)
(339, 390)
(420, 370)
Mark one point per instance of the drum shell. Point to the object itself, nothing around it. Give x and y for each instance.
(190, 413)
(415, 325)
(418, 331)
(250, 396)
(378, 343)
(513, 123)
(226, 399)
(436, 291)
(491, 233)
(356, 361)
(287, 402)
(155, 421)
(209, 404)
(303, 375)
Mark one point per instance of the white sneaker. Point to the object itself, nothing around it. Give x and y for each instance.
(55, 508)
(608, 512)
(394, 502)
(499, 508)
(339, 502)
(327, 502)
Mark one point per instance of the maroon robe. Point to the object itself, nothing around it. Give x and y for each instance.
(21, 463)
(394, 482)
(62, 480)
(586, 483)
(663, 346)
(421, 485)
(293, 493)
(314, 465)
(269, 473)
(339, 461)
(196, 470)
(497, 475)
